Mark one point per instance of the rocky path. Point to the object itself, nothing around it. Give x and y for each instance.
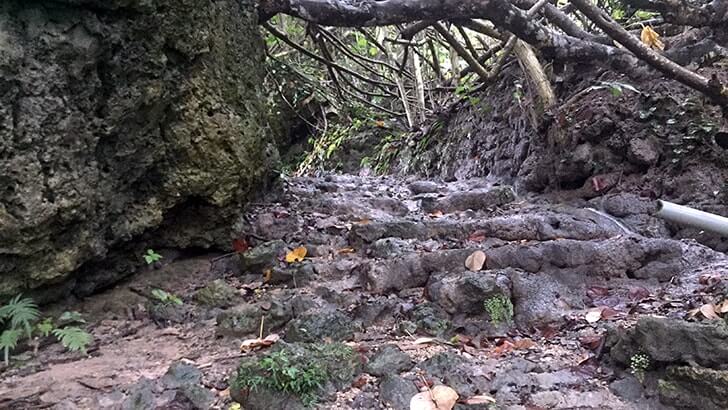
(392, 269)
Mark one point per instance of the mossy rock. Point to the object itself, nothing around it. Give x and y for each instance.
(294, 376)
(216, 294)
(694, 388)
(245, 320)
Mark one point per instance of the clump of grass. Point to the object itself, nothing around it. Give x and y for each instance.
(298, 372)
(499, 309)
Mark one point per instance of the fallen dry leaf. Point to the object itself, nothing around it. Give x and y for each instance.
(436, 214)
(346, 250)
(267, 274)
(477, 236)
(296, 255)
(479, 399)
(424, 341)
(594, 315)
(708, 310)
(650, 37)
(506, 347)
(422, 401)
(591, 342)
(251, 344)
(523, 344)
(445, 397)
(439, 397)
(475, 261)
(240, 245)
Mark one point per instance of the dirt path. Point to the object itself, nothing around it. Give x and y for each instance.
(386, 265)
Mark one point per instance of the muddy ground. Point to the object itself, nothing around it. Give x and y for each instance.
(593, 286)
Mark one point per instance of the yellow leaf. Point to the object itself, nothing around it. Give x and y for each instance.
(651, 38)
(267, 275)
(296, 255)
(475, 261)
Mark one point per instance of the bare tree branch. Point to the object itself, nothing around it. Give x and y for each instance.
(710, 87)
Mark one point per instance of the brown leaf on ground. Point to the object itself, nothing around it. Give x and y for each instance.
(475, 261)
(708, 311)
(477, 236)
(252, 344)
(591, 342)
(479, 399)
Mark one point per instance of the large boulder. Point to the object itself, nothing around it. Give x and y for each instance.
(124, 122)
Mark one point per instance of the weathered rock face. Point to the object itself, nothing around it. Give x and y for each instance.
(120, 118)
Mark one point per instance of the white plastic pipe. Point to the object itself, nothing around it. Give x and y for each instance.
(692, 217)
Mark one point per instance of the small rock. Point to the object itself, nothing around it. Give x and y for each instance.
(695, 388)
(180, 374)
(476, 200)
(642, 152)
(262, 257)
(389, 359)
(431, 319)
(423, 187)
(216, 294)
(628, 388)
(245, 320)
(396, 392)
(465, 292)
(703, 343)
(315, 327)
(140, 396)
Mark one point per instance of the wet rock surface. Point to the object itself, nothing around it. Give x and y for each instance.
(385, 279)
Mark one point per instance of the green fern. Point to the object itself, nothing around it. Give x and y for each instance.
(21, 312)
(73, 338)
(45, 327)
(8, 340)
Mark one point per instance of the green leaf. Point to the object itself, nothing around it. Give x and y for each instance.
(45, 327)
(9, 338)
(151, 256)
(21, 312)
(71, 317)
(73, 338)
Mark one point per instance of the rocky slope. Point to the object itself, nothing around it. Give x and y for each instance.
(119, 119)
(567, 300)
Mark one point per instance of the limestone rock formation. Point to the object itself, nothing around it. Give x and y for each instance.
(124, 118)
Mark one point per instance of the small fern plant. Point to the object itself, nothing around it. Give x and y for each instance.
(17, 317)
(73, 338)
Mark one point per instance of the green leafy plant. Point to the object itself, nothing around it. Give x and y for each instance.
(73, 338)
(8, 341)
(499, 309)
(166, 298)
(298, 373)
(21, 312)
(638, 365)
(19, 317)
(71, 317)
(45, 327)
(278, 371)
(150, 257)
(16, 316)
